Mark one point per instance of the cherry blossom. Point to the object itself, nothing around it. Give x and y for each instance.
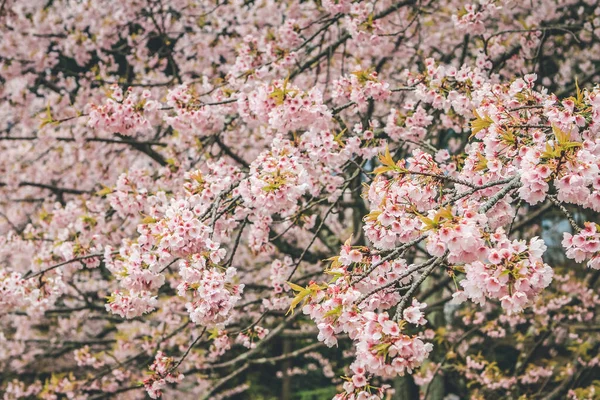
(236, 199)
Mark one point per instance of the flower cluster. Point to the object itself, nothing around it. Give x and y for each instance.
(585, 245)
(179, 233)
(85, 358)
(123, 112)
(277, 180)
(357, 387)
(462, 237)
(17, 292)
(130, 194)
(284, 107)
(409, 124)
(470, 19)
(213, 292)
(514, 274)
(162, 373)
(361, 86)
(131, 305)
(247, 339)
(189, 115)
(384, 350)
(280, 270)
(398, 202)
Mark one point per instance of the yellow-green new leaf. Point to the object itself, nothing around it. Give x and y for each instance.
(480, 123)
(561, 136)
(301, 295)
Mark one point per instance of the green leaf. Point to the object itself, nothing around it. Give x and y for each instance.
(388, 164)
(579, 100)
(302, 294)
(479, 123)
(104, 191)
(214, 333)
(48, 119)
(336, 312)
(561, 136)
(481, 163)
(429, 223)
